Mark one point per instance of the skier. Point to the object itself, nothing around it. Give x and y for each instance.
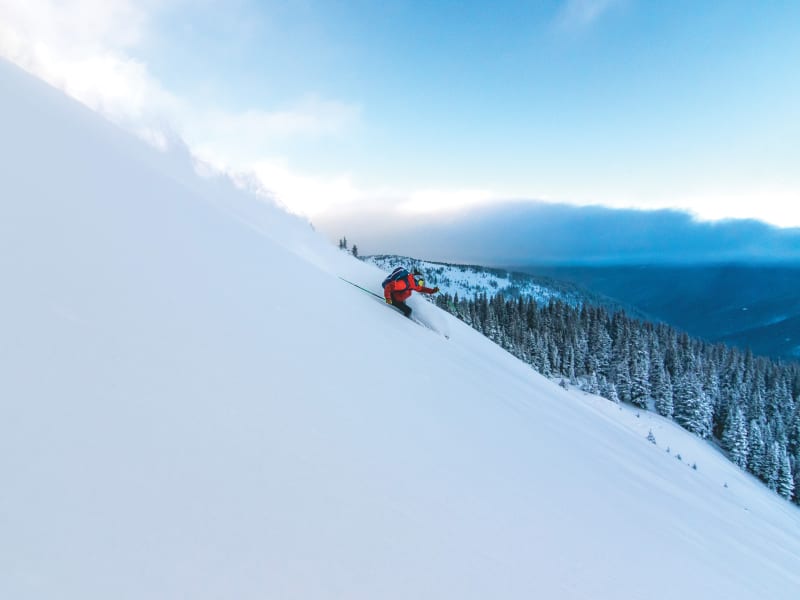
(398, 286)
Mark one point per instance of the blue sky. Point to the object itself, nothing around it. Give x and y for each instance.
(411, 106)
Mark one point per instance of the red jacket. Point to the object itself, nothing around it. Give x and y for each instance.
(399, 291)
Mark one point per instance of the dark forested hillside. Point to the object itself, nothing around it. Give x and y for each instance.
(748, 404)
(749, 306)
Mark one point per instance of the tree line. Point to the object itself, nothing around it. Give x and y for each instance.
(746, 403)
(343, 246)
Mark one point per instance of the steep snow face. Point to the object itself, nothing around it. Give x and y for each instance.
(195, 405)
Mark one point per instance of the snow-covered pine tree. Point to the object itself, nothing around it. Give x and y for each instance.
(793, 431)
(785, 477)
(662, 391)
(711, 384)
(772, 465)
(619, 372)
(593, 385)
(639, 372)
(570, 364)
(610, 392)
(553, 356)
(600, 342)
(756, 448)
(692, 408)
(734, 437)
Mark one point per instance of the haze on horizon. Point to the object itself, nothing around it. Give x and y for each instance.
(527, 234)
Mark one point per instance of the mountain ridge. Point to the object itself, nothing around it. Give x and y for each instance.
(752, 306)
(468, 280)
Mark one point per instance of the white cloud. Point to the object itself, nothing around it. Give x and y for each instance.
(87, 48)
(307, 194)
(772, 204)
(323, 195)
(311, 116)
(242, 139)
(431, 201)
(582, 13)
(775, 204)
(75, 26)
(82, 47)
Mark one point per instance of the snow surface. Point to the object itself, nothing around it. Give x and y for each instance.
(194, 405)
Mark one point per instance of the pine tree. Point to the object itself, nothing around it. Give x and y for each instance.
(553, 356)
(600, 344)
(756, 448)
(640, 377)
(734, 438)
(772, 465)
(619, 372)
(711, 386)
(793, 433)
(570, 364)
(785, 478)
(611, 392)
(692, 409)
(662, 390)
(593, 385)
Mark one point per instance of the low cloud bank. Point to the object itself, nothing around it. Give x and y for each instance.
(538, 232)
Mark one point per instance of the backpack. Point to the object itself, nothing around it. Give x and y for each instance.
(399, 274)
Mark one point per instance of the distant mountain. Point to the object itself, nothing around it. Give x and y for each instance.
(749, 306)
(469, 281)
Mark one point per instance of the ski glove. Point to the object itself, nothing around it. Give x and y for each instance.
(436, 289)
(388, 301)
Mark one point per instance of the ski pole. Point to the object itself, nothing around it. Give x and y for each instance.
(361, 288)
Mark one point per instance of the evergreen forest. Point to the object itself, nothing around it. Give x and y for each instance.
(746, 404)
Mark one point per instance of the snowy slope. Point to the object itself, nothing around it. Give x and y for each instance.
(194, 405)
